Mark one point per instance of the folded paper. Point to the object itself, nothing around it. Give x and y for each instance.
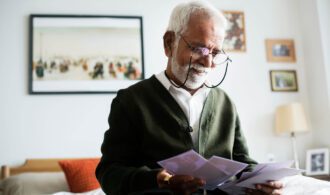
(218, 171)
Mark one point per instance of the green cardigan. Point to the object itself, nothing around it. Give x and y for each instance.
(147, 125)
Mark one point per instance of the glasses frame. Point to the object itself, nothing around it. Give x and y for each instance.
(193, 50)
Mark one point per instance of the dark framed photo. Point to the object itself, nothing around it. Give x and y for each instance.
(283, 80)
(84, 53)
(317, 161)
(280, 50)
(235, 40)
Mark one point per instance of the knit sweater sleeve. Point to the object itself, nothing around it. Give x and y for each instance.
(240, 150)
(115, 172)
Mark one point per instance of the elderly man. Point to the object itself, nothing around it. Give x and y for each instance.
(175, 111)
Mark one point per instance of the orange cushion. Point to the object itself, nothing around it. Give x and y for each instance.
(80, 174)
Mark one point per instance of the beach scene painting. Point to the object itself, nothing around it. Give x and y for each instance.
(85, 54)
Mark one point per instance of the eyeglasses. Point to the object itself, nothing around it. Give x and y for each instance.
(218, 58)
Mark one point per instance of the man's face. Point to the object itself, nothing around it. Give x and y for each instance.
(201, 32)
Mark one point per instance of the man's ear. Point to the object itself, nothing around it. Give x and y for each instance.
(169, 38)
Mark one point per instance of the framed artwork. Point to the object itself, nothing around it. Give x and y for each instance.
(317, 161)
(84, 53)
(283, 80)
(235, 35)
(280, 50)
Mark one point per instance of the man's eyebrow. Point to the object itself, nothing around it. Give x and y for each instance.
(199, 44)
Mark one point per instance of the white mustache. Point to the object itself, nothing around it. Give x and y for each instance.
(200, 68)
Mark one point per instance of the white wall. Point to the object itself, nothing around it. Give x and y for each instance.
(323, 9)
(316, 31)
(45, 126)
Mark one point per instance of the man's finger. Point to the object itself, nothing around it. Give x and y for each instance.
(193, 185)
(275, 184)
(178, 182)
(268, 189)
(162, 178)
(185, 184)
(277, 192)
(180, 179)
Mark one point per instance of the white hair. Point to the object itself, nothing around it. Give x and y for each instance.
(181, 14)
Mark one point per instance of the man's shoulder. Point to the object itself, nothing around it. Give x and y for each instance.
(144, 84)
(221, 98)
(220, 93)
(139, 88)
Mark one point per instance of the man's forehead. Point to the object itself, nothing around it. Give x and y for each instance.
(215, 43)
(204, 37)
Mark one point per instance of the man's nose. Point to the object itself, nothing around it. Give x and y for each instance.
(207, 60)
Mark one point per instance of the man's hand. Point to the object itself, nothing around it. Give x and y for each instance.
(273, 188)
(180, 184)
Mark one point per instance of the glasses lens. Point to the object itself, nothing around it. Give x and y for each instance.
(199, 52)
(204, 51)
(220, 58)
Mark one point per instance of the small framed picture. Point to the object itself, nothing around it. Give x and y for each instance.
(317, 161)
(280, 50)
(235, 33)
(283, 80)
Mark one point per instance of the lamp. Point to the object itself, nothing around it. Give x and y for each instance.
(290, 118)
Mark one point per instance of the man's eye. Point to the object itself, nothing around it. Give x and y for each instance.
(197, 50)
(215, 53)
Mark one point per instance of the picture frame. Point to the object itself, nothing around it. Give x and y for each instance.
(283, 80)
(81, 54)
(235, 40)
(280, 50)
(317, 161)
